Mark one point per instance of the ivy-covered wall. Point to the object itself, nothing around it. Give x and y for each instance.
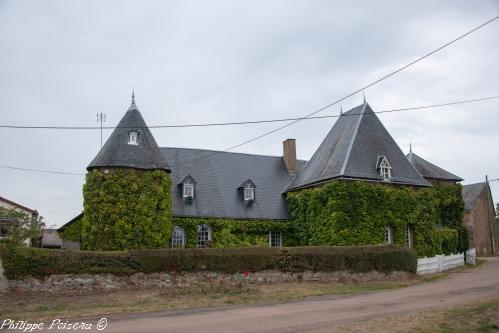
(357, 213)
(126, 209)
(228, 233)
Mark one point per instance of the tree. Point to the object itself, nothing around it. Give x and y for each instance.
(21, 226)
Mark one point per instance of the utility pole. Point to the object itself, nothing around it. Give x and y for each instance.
(101, 118)
(491, 227)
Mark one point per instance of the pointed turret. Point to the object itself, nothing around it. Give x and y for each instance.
(353, 149)
(131, 145)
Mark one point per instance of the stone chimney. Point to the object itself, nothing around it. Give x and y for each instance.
(289, 156)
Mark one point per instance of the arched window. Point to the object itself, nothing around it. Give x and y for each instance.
(204, 235)
(178, 237)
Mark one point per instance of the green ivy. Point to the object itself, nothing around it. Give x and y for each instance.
(357, 213)
(73, 232)
(448, 240)
(228, 233)
(126, 209)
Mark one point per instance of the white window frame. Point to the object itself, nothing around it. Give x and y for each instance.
(204, 235)
(385, 170)
(133, 138)
(249, 194)
(178, 237)
(275, 239)
(188, 190)
(410, 235)
(389, 234)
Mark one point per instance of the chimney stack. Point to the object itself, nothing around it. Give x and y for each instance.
(289, 156)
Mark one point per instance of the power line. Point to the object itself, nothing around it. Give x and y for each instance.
(355, 92)
(432, 106)
(312, 113)
(250, 122)
(43, 171)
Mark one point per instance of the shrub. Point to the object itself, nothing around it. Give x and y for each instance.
(20, 262)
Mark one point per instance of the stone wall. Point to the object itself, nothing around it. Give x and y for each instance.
(81, 282)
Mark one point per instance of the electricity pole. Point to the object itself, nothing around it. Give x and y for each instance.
(101, 118)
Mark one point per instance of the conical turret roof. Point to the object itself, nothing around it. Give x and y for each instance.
(118, 152)
(352, 150)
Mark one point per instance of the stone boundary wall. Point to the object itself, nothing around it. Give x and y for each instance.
(82, 282)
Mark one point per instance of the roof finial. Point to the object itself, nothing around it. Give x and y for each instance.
(341, 109)
(410, 147)
(364, 94)
(132, 105)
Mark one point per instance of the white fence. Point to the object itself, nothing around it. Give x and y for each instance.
(439, 263)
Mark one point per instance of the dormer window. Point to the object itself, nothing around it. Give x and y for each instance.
(249, 193)
(384, 168)
(248, 190)
(187, 189)
(132, 138)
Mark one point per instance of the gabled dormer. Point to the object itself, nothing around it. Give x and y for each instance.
(384, 168)
(247, 189)
(188, 186)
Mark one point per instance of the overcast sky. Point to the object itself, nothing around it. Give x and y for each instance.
(62, 62)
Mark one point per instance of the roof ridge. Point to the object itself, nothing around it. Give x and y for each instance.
(354, 137)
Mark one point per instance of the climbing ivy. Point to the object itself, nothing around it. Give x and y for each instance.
(357, 213)
(72, 232)
(126, 209)
(236, 233)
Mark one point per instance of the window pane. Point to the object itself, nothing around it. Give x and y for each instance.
(275, 239)
(204, 235)
(178, 237)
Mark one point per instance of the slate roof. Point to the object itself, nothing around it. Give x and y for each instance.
(351, 151)
(470, 194)
(429, 170)
(218, 178)
(116, 152)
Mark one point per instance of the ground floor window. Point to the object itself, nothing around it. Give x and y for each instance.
(275, 239)
(204, 235)
(389, 235)
(178, 237)
(410, 236)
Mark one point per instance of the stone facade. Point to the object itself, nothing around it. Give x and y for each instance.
(480, 223)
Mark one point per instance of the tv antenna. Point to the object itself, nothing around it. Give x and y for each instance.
(101, 118)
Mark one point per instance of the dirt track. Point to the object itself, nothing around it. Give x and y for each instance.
(320, 315)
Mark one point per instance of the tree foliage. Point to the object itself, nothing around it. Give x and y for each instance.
(25, 227)
(126, 209)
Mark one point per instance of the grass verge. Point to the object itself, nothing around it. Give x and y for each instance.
(482, 316)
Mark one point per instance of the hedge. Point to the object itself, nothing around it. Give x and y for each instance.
(20, 262)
